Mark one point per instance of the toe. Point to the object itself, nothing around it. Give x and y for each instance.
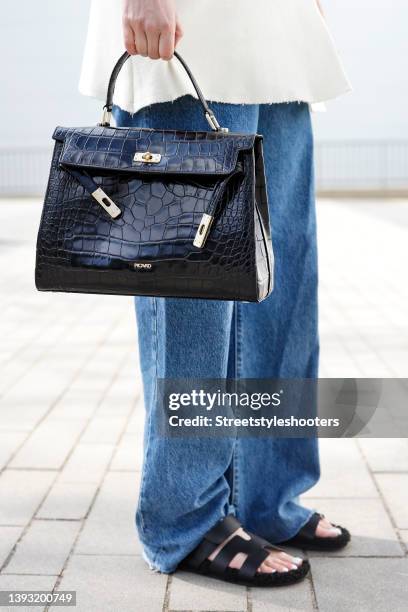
(265, 568)
(273, 563)
(327, 532)
(289, 561)
(325, 529)
(280, 565)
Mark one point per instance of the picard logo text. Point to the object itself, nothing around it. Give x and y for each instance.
(142, 266)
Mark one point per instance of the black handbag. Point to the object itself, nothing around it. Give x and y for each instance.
(167, 213)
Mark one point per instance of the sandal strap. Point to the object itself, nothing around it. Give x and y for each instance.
(251, 564)
(309, 530)
(255, 556)
(200, 554)
(236, 545)
(212, 539)
(257, 549)
(223, 529)
(263, 543)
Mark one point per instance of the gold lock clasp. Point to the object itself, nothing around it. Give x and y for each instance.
(147, 157)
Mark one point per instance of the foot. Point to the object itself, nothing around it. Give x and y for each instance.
(325, 529)
(319, 534)
(277, 561)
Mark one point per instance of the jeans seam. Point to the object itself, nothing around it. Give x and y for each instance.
(238, 340)
(148, 437)
(237, 373)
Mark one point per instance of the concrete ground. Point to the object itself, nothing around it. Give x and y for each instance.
(71, 420)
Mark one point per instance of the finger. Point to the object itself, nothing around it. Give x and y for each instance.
(166, 45)
(179, 33)
(141, 41)
(129, 39)
(153, 36)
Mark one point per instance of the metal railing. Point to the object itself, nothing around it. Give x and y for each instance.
(365, 166)
(341, 167)
(24, 171)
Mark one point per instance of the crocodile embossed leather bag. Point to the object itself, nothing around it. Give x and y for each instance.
(155, 212)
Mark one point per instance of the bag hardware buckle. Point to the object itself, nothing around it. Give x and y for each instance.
(213, 123)
(147, 158)
(107, 204)
(203, 231)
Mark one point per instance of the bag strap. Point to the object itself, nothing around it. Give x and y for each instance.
(107, 114)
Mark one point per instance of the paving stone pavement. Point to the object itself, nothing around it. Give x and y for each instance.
(71, 419)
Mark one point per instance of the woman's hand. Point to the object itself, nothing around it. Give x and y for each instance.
(151, 28)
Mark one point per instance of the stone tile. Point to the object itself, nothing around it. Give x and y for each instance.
(371, 365)
(110, 528)
(137, 420)
(113, 583)
(104, 429)
(361, 585)
(22, 355)
(43, 381)
(26, 583)
(193, 592)
(385, 454)
(9, 442)
(397, 358)
(297, 597)
(49, 445)
(8, 538)
(394, 487)
(121, 396)
(129, 454)
(344, 473)
(44, 548)
(404, 537)
(368, 522)
(68, 501)
(21, 492)
(106, 359)
(23, 411)
(91, 380)
(87, 463)
(77, 404)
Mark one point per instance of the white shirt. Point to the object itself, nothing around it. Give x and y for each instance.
(240, 51)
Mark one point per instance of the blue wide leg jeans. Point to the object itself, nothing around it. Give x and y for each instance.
(188, 484)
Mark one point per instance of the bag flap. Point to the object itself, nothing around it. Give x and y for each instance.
(114, 149)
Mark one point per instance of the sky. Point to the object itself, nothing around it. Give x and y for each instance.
(43, 41)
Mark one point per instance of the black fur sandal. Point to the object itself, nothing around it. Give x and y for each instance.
(256, 548)
(307, 539)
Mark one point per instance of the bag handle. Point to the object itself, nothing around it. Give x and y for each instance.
(107, 109)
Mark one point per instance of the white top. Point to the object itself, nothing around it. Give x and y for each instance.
(240, 51)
